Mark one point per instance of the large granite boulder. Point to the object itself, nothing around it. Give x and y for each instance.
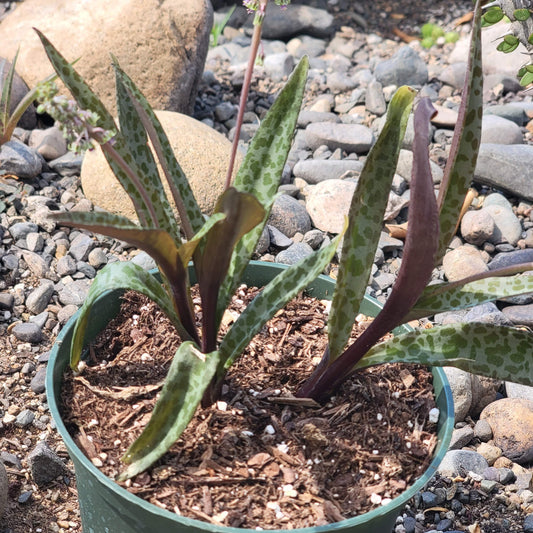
(202, 153)
(161, 44)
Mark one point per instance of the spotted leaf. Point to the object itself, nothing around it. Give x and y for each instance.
(498, 352)
(365, 221)
(187, 378)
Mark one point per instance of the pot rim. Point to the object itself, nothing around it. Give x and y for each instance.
(444, 437)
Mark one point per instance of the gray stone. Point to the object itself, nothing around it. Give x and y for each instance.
(306, 45)
(459, 461)
(499, 130)
(18, 159)
(297, 19)
(6, 301)
(224, 111)
(294, 253)
(50, 143)
(36, 263)
(454, 75)
(24, 418)
(81, 246)
(314, 170)
(350, 137)
(405, 67)
(477, 226)
(339, 82)
(487, 313)
(461, 385)
(144, 261)
(506, 167)
(405, 167)
(466, 260)
(389, 244)
(461, 437)
(519, 315)
(374, 99)
(516, 390)
(87, 270)
(279, 66)
(4, 486)
(264, 241)
(64, 314)
(67, 165)
(34, 242)
(39, 298)
(482, 431)
(307, 116)
(505, 259)
(314, 238)
(277, 238)
(45, 465)
(66, 266)
(74, 293)
(289, 216)
(38, 382)
(20, 230)
(97, 257)
(509, 112)
(507, 227)
(10, 459)
(28, 332)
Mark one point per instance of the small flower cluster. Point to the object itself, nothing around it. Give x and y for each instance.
(259, 7)
(79, 126)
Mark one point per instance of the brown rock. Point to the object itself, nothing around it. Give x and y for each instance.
(162, 45)
(202, 153)
(462, 262)
(511, 420)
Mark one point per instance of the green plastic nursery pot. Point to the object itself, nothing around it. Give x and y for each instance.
(108, 508)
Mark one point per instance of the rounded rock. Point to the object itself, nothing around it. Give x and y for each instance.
(294, 253)
(466, 260)
(28, 332)
(405, 67)
(456, 460)
(477, 226)
(511, 420)
(328, 203)
(202, 153)
(349, 137)
(289, 216)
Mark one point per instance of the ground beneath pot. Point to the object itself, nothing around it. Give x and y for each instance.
(257, 457)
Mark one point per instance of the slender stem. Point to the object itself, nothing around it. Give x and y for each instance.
(256, 40)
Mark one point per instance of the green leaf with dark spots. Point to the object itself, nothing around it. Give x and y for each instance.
(469, 292)
(188, 209)
(498, 352)
(188, 377)
(365, 221)
(260, 172)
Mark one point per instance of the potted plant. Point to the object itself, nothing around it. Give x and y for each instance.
(220, 249)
